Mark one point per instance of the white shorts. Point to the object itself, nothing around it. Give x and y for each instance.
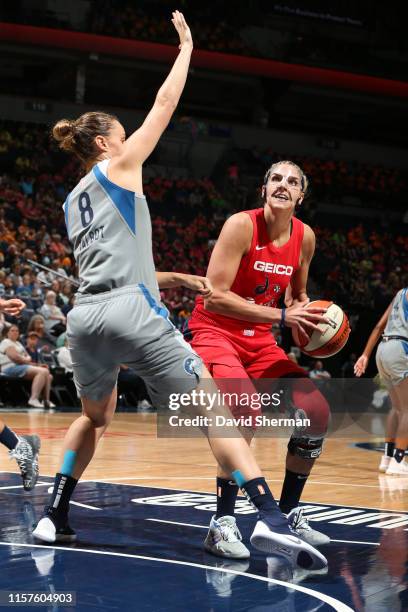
(392, 361)
(127, 326)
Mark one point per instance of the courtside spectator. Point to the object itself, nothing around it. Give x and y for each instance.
(16, 363)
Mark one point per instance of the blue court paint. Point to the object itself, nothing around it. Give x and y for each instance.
(238, 477)
(68, 463)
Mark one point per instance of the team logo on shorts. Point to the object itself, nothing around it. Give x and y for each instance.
(190, 365)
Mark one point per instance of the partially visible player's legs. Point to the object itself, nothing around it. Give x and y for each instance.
(303, 449)
(303, 400)
(391, 431)
(271, 533)
(78, 449)
(24, 449)
(397, 465)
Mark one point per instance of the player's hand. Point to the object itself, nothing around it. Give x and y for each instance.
(305, 319)
(361, 365)
(201, 284)
(12, 307)
(182, 29)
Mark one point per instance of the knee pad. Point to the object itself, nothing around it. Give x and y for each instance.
(305, 401)
(308, 448)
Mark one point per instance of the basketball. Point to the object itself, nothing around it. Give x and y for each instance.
(333, 336)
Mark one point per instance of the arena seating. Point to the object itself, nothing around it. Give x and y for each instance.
(36, 178)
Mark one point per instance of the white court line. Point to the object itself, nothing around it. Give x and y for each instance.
(325, 482)
(39, 484)
(331, 601)
(74, 503)
(339, 484)
(175, 523)
(206, 527)
(124, 484)
(355, 542)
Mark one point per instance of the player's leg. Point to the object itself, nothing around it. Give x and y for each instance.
(272, 533)
(391, 362)
(224, 538)
(180, 370)
(223, 362)
(391, 431)
(24, 449)
(78, 449)
(397, 465)
(306, 401)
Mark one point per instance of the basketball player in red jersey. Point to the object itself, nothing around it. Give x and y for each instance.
(260, 255)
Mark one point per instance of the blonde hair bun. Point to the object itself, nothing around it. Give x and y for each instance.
(63, 132)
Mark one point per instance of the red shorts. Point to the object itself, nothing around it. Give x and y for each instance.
(229, 356)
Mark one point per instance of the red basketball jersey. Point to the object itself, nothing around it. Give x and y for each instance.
(263, 275)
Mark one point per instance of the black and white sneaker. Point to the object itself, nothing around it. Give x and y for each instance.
(50, 530)
(26, 455)
(273, 535)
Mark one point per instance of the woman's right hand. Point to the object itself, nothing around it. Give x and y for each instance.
(182, 29)
(304, 319)
(361, 365)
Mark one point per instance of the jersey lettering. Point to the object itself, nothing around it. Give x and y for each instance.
(266, 266)
(87, 214)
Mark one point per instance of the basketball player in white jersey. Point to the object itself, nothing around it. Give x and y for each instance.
(118, 318)
(24, 449)
(392, 363)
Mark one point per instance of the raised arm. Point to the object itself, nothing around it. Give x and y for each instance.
(141, 143)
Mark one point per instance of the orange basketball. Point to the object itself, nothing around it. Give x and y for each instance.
(333, 336)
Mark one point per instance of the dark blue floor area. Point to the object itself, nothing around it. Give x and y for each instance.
(125, 560)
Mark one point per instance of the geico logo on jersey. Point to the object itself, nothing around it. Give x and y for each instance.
(267, 266)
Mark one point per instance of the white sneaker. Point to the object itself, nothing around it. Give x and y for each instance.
(300, 525)
(224, 539)
(35, 403)
(384, 463)
(46, 531)
(397, 469)
(274, 536)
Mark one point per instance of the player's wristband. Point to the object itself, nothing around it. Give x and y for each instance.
(283, 315)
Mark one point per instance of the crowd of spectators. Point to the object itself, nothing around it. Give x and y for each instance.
(360, 268)
(329, 178)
